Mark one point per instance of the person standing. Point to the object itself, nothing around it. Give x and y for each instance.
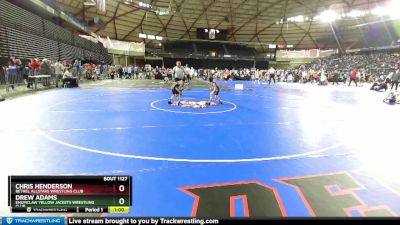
(156, 73)
(257, 76)
(22, 73)
(77, 66)
(179, 74)
(395, 80)
(192, 74)
(35, 67)
(336, 77)
(133, 72)
(187, 73)
(58, 71)
(271, 73)
(214, 92)
(12, 73)
(353, 77)
(45, 67)
(315, 77)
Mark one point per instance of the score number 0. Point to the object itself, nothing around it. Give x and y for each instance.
(121, 188)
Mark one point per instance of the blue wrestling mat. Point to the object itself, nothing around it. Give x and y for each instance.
(285, 150)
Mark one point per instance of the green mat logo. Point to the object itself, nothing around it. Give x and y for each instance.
(330, 195)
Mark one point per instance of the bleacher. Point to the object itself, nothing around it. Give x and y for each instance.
(205, 48)
(13, 15)
(179, 48)
(58, 33)
(37, 46)
(239, 50)
(26, 35)
(186, 49)
(4, 51)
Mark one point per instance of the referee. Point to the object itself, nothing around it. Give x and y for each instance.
(179, 74)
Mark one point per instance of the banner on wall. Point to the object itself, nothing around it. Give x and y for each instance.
(124, 48)
(301, 54)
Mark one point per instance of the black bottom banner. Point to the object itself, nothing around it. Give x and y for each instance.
(209, 221)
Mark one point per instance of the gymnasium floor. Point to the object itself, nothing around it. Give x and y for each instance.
(280, 150)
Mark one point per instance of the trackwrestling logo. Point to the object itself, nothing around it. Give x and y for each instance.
(33, 220)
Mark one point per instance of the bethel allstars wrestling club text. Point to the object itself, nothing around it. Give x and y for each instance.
(46, 189)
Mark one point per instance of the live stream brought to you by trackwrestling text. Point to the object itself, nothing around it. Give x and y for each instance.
(161, 112)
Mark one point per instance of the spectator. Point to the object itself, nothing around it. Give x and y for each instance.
(395, 79)
(22, 73)
(77, 67)
(45, 68)
(379, 85)
(35, 66)
(12, 73)
(58, 71)
(69, 80)
(353, 77)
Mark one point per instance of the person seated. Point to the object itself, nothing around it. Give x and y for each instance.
(227, 74)
(68, 80)
(379, 85)
(166, 80)
(323, 80)
(289, 78)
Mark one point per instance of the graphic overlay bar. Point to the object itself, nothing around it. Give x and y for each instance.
(211, 221)
(78, 194)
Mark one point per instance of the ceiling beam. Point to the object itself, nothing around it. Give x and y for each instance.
(264, 10)
(313, 10)
(284, 16)
(262, 30)
(308, 31)
(230, 13)
(117, 17)
(82, 10)
(180, 14)
(115, 25)
(138, 25)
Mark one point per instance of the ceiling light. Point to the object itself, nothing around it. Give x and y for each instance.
(299, 19)
(392, 9)
(356, 14)
(379, 11)
(89, 3)
(328, 16)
